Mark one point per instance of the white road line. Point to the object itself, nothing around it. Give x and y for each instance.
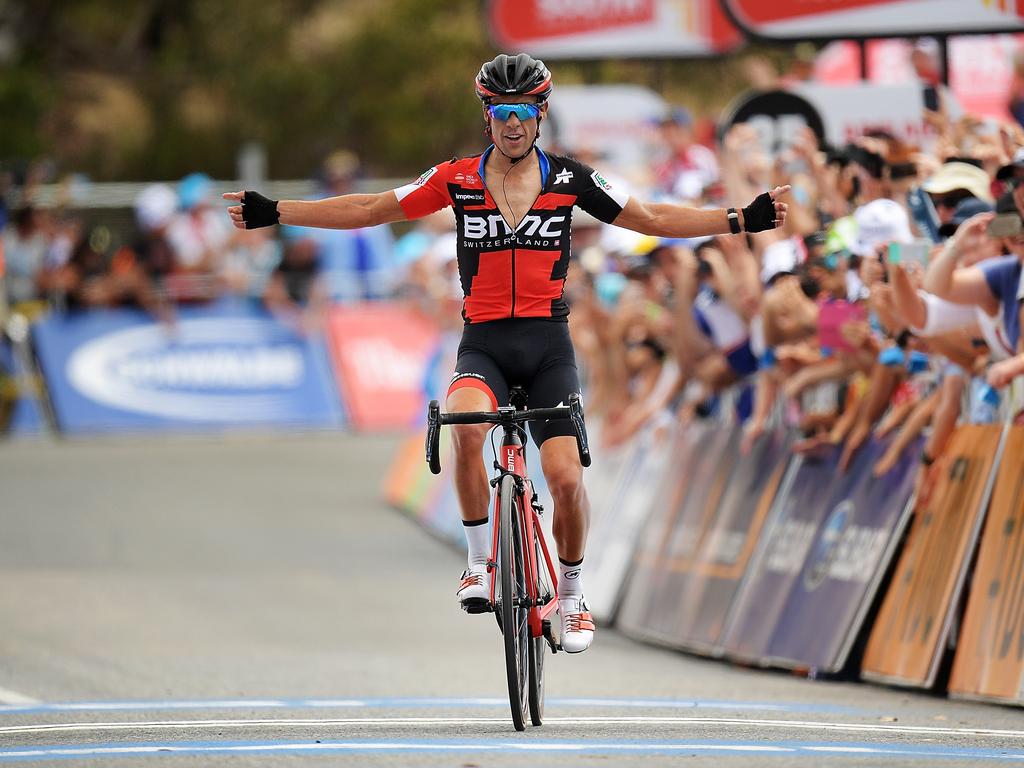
(386, 747)
(567, 721)
(8, 696)
(471, 747)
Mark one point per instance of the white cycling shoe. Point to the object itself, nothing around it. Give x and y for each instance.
(475, 589)
(577, 624)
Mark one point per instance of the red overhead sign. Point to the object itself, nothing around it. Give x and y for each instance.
(567, 29)
(824, 19)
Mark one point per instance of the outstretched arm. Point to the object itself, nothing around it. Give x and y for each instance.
(670, 220)
(344, 212)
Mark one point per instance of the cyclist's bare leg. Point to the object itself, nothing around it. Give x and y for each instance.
(468, 439)
(560, 460)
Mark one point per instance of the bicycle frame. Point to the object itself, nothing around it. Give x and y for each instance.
(513, 462)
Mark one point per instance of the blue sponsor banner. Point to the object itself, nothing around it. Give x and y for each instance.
(823, 561)
(228, 365)
(793, 521)
(841, 574)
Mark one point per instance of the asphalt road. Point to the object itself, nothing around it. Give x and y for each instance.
(234, 600)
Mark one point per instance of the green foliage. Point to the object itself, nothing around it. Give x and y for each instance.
(155, 89)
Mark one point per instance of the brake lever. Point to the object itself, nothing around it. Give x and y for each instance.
(576, 415)
(433, 437)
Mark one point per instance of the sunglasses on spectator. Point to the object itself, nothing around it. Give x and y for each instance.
(505, 111)
(949, 200)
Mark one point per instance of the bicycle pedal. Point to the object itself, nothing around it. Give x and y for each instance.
(549, 637)
(476, 605)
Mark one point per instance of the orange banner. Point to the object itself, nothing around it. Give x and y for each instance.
(909, 636)
(990, 654)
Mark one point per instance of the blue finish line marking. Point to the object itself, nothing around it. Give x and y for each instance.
(413, 703)
(788, 749)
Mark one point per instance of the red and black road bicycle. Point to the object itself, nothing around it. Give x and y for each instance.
(524, 591)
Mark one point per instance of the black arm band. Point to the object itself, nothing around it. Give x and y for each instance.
(760, 214)
(734, 221)
(258, 211)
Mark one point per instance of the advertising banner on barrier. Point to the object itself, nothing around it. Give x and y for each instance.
(714, 572)
(989, 661)
(381, 354)
(785, 545)
(619, 510)
(852, 548)
(685, 511)
(228, 365)
(909, 636)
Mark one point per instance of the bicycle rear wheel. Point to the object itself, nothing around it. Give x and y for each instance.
(513, 607)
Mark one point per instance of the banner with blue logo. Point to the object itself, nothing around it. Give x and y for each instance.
(843, 570)
(793, 522)
(228, 365)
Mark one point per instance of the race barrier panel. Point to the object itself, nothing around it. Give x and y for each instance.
(228, 365)
(909, 636)
(621, 484)
(786, 542)
(381, 354)
(847, 540)
(989, 661)
(699, 463)
(720, 563)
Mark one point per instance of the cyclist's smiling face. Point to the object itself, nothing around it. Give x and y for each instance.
(514, 136)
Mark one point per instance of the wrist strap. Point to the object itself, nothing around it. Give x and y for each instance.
(734, 220)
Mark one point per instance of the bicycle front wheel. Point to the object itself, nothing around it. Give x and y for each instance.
(538, 645)
(514, 608)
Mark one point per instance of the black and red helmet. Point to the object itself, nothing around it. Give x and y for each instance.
(518, 75)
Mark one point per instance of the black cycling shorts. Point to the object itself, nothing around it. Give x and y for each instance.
(532, 353)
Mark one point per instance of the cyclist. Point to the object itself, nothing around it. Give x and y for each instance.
(513, 206)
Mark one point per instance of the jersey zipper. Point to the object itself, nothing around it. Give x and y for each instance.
(513, 275)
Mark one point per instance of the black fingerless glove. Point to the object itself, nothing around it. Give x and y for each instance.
(258, 211)
(759, 215)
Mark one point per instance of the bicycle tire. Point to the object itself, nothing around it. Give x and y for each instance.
(515, 628)
(538, 648)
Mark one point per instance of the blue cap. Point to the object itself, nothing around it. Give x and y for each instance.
(194, 189)
(891, 357)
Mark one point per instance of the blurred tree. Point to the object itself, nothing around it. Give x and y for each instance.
(156, 88)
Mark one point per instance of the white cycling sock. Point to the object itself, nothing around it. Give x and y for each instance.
(478, 540)
(570, 579)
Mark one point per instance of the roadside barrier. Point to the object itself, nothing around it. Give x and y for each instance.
(381, 352)
(780, 560)
(226, 365)
(989, 662)
(820, 562)
(909, 637)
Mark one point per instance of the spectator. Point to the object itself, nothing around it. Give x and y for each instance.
(689, 168)
(954, 182)
(199, 238)
(296, 292)
(24, 249)
(357, 263)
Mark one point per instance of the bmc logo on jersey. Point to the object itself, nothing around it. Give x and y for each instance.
(483, 227)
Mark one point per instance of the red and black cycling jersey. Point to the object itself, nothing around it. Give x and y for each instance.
(508, 273)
